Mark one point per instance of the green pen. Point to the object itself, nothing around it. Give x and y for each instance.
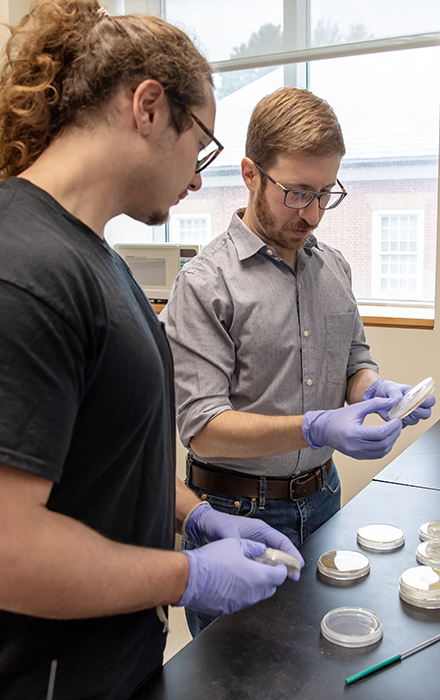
(391, 660)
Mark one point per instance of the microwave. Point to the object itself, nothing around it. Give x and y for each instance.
(155, 266)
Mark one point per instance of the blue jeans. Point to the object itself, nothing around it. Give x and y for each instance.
(297, 520)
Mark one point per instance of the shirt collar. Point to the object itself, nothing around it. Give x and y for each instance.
(248, 243)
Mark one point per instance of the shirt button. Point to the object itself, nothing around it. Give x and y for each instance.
(306, 333)
(309, 382)
(269, 251)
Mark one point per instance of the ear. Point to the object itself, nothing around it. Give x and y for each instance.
(250, 174)
(148, 103)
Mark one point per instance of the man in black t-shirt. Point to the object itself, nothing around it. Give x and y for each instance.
(99, 116)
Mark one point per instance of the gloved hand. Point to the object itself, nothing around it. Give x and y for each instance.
(223, 578)
(386, 389)
(207, 525)
(342, 429)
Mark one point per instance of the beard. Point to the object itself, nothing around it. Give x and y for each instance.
(153, 218)
(278, 235)
(156, 218)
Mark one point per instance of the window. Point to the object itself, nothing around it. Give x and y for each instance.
(397, 255)
(190, 228)
(386, 94)
(377, 64)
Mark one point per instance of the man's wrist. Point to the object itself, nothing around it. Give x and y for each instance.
(370, 393)
(183, 531)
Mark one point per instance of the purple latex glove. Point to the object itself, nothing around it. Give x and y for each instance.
(207, 525)
(223, 578)
(385, 389)
(342, 429)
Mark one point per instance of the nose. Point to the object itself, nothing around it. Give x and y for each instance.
(311, 213)
(195, 183)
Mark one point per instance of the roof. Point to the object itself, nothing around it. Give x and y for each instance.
(387, 104)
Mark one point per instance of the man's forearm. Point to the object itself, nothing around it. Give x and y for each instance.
(56, 567)
(63, 569)
(358, 383)
(236, 434)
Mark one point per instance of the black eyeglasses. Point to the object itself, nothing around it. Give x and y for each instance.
(298, 199)
(207, 154)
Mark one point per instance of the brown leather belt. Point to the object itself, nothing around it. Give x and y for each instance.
(229, 483)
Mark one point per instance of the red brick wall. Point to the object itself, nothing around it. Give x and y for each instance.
(347, 228)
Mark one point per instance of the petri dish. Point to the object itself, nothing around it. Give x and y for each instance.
(428, 553)
(351, 627)
(272, 557)
(380, 537)
(413, 398)
(420, 586)
(430, 530)
(344, 565)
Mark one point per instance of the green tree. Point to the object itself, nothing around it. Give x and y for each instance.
(268, 39)
(327, 33)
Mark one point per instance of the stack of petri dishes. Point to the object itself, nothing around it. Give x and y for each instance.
(380, 537)
(420, 586)
(428, 553)
(430, 530)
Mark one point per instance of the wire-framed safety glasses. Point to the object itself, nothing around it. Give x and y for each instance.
(298, 199)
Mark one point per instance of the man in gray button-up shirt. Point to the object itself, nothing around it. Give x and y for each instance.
(267, 339)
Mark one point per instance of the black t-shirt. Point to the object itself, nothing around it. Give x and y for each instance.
(86, 400)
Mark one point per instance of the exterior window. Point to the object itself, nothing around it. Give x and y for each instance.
(348, 57)
(191, 228)
(397, 255)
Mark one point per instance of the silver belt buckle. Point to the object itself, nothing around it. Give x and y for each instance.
(297, 480)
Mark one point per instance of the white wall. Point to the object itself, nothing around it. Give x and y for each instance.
(4, 17)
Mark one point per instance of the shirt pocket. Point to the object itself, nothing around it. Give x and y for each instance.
(339, 336)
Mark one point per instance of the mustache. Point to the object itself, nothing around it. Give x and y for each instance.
(299, 227)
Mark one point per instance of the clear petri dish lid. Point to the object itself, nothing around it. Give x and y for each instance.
(277, 556)
(352, 627)
(428, 553)
(344, 565)
(430, 530)
(380, 537)
(420, 586)
(413, 398)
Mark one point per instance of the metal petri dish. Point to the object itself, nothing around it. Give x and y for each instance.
(430, 530)
(428, 553)
(351, 627)
(413, 398)
(344, 565)
(420, 586)
(380, 537)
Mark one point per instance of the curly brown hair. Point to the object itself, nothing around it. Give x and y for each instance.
(292, 122)
(66, 58)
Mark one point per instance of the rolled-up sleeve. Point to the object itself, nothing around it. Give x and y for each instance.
(196, 318)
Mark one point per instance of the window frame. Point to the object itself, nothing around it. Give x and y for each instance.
(376, 252)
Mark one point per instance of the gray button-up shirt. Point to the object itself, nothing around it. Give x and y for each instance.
(249, 333)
